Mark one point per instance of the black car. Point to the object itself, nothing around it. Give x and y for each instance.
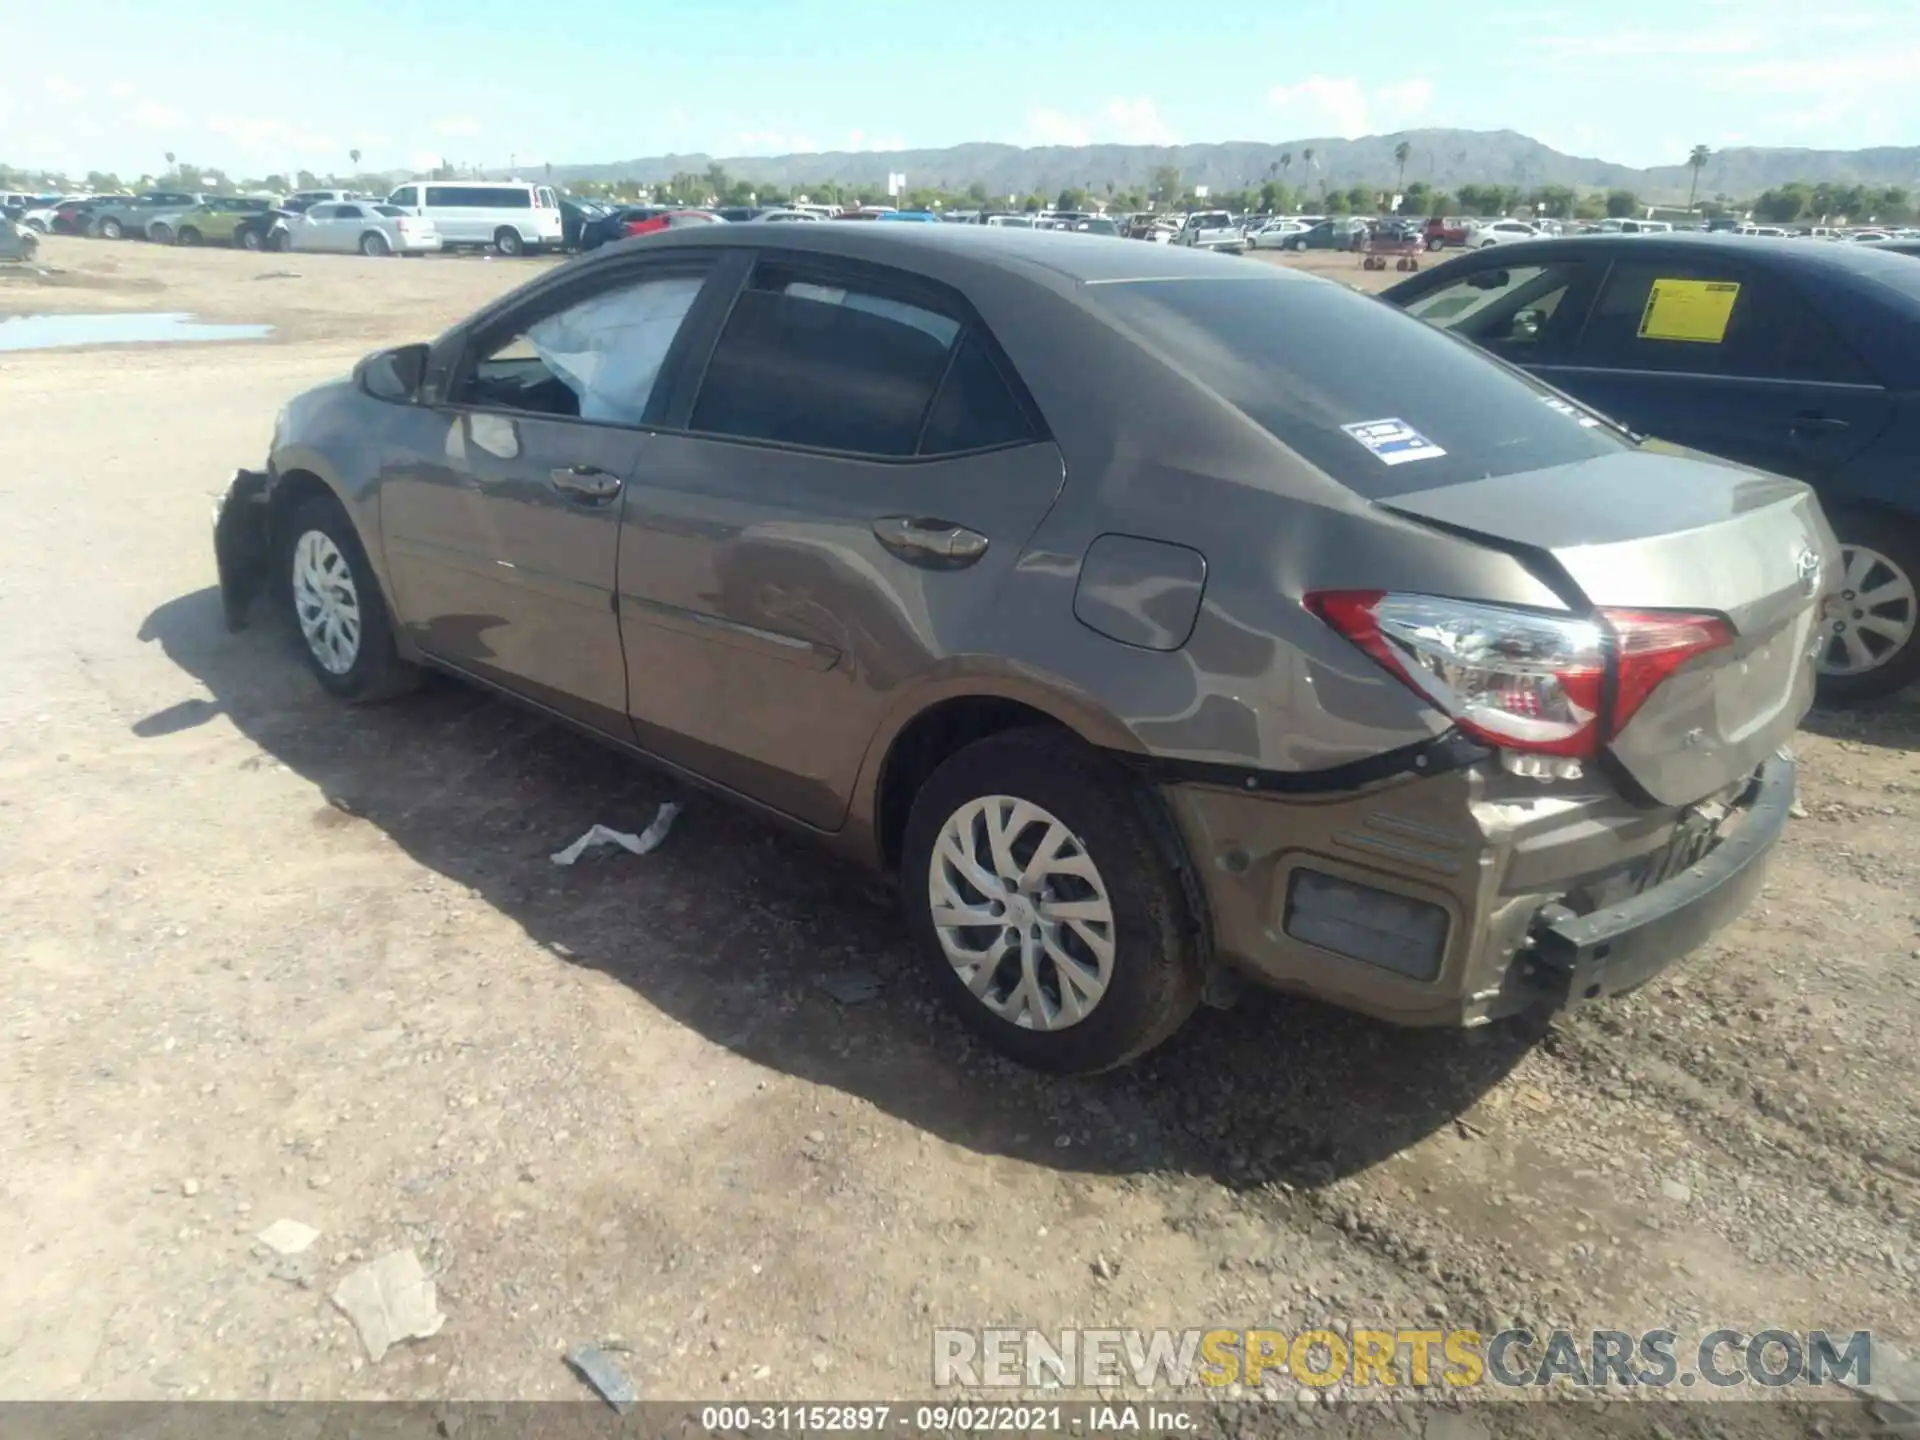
(266, 230)
(576, 213)
(1787, 356)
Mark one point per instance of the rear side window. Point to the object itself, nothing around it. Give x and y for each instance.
(1765, 332)
(1379, 401)
(802, 362)
(975, 410)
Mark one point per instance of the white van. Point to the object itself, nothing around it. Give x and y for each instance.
(510, 216)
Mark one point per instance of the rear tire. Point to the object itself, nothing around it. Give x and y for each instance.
(374, 245)
(188, 235)
(161, 234)
(330, 588)
(248, 239)
(110, 229)
(507, 241)
(1050, 795)
(1880, 556)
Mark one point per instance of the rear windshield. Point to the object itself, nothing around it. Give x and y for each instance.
(1381, 402)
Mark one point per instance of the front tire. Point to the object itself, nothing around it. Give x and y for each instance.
(1871, 643)
(161, 234)
(337, 607)
(1035, 885)
(188, 235)
(507, 241)
(110, 229)
(248, 239)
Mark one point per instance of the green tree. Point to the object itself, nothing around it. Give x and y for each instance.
(977, 192)
(1337, 203)
(1402, 153)
(1359, 198)
(1590, 207)
(1166, 189)
(1415, 198)
(1894, 203)
(1622, 203)
(1286, 162)
(1439, 203)
(1070, 198)
(354, 155)
(1697, 159)
(1782, 206)
(1554, 200)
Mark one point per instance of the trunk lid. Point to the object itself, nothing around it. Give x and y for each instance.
(1647, 530)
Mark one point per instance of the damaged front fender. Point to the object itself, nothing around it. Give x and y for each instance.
(241, 539)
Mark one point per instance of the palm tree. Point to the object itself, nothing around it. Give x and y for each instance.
(1696, 161)
(1401, 154)
(1286, 160)
(354, 155)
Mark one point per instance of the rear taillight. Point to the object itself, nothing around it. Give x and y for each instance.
(1516, 678)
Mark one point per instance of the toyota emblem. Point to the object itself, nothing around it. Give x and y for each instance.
(1806, 565)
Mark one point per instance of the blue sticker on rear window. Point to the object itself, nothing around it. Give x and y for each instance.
(1393, 442)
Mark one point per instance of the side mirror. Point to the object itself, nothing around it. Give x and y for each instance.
(393, 375)
(1490, 280)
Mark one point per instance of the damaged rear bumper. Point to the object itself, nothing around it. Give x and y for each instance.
(1461, 897)
(241, 539)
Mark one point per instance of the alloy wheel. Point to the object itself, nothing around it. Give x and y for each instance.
(326, 601)
(1021, 912)
(1874, 616)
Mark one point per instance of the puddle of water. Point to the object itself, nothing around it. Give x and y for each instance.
(47, 332)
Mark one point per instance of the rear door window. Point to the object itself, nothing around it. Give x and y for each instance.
(1712, 318)
(806, 360)
(1378, 401)
(1521, 312)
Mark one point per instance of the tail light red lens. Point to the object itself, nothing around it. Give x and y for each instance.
(1515, 678)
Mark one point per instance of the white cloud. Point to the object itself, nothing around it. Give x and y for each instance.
(63, 90)
(1119, 122)
(774, 142)
(158, 117)
(459, 127)
(1340, 105)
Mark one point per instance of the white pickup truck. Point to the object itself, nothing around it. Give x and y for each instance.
(1211, 230)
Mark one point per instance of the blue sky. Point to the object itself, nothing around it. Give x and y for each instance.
(255, 86)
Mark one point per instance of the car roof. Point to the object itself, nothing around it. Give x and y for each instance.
(949, 251)
(1857, 260)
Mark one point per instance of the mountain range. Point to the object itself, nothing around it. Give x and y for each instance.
(1443, 158)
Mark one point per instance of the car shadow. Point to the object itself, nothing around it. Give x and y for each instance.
(1891, 724)
(744, 932)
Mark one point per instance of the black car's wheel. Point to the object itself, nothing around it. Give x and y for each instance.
(276, 241)
(374, 245)
(1056, 924)
(337, 606)
(507, 241)
(188, 235)
(248, 239)
(1871, 645)
(1297, 245)
(110, 229)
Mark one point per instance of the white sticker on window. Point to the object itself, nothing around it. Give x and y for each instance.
(1393, 442)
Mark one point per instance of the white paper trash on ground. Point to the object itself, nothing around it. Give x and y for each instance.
(647, 839)
(389, 1301)
(287, 1237)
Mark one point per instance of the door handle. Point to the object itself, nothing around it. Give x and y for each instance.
(588, 482)
(939, 544)
(1812, 425)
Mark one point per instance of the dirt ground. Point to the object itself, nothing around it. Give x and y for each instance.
(270, 958)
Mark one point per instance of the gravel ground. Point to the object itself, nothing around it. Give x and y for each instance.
(272, 959)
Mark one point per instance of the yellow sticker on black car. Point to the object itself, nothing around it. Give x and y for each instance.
(1696, 310)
